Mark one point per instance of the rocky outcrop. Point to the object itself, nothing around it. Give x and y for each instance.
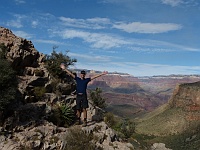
(20, 51)
(187, 97)
(47, 136)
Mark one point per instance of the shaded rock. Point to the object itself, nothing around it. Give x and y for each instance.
(65, 88)
(31, 111)
(38, 81)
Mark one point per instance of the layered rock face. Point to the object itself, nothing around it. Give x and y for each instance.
(187, 97)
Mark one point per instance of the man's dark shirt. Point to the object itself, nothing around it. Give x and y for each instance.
(81, 84)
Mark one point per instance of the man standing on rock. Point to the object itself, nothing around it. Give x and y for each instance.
(81, 87)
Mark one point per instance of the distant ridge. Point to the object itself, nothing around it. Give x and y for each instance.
(180, 114)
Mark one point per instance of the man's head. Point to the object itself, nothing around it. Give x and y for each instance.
(83, 73)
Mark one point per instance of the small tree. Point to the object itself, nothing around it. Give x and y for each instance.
(52, 63)
(54, 60)
(97, 99)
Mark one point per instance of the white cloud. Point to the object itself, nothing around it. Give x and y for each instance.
(34, 23)
(139, 27)
(20, 1)
(173, 3)
(97, 40)
(99, 20)
(92, 23)
(105, 40)
(14, 23)
(110, 41)
(149, 49)
(159, 46)
(50, 42)
(17, 22)
(22, 34)
(113, 1)
(91, 58)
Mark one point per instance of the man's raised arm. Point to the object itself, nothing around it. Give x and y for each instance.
(103, 73)
(62, 66)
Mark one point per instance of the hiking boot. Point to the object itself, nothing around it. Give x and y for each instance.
(84, 123)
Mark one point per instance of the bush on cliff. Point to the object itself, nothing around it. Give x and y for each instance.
(97, 99)
(8, 88)
(124, 127)
(8, 81)
(77, 139)
(3, 51)
(62, 115)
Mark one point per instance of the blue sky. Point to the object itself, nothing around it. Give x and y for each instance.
(139, 37)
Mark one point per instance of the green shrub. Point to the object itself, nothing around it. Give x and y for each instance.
(97, 99)
(39, 92)
(3, 51)
(8, 84)
(67, 114)
(110, 119)
(124, 127)
(127, 128)
(62, 115)
(77, 139)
